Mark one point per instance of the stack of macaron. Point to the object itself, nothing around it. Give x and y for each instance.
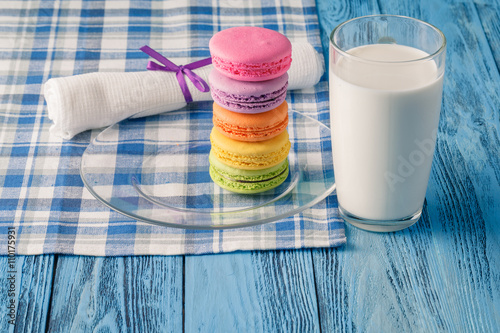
(250, 143)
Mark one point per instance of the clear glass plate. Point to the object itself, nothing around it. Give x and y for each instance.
(155, 170)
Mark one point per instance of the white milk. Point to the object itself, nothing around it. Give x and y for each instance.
(384, 124)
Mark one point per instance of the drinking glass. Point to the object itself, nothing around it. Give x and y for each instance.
(386, 82)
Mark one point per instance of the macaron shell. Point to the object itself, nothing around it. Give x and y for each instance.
(250, 53)
(246, 188)
(250, 155)
(247, 181)
(251, 127)
(269, 102)
(245, 96)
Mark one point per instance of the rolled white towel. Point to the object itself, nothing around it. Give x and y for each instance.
(82, 102)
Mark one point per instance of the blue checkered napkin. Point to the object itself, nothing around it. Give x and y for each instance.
(41, 192)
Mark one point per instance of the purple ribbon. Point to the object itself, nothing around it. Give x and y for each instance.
(180, 71)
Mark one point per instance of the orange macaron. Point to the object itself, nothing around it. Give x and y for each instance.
(251, 127)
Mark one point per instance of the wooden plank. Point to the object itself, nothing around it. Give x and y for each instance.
(489, 13)
(269, 291)
(384, 283)
(441, 274)
(32, 282)
(117, 293)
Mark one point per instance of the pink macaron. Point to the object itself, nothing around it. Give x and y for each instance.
(250, 53)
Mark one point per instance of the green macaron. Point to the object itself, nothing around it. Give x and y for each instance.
(247, 181)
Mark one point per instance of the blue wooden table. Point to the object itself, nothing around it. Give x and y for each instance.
(441, 275)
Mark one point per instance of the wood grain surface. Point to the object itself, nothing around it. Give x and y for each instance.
(115, 294)
(32, 292)
(251, 292)
(489, 14)
(441, 275)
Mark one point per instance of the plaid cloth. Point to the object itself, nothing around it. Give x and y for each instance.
(41, 193)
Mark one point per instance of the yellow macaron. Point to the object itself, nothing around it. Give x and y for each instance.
(250, 155)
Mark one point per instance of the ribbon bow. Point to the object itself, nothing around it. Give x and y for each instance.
(180, 71)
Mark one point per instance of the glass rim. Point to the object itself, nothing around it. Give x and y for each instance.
(428, 57)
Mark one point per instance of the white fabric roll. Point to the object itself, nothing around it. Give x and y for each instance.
(82, 102)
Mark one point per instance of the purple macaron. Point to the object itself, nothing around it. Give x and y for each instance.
(247, 97)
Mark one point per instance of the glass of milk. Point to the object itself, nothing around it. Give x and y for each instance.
(386, 82)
